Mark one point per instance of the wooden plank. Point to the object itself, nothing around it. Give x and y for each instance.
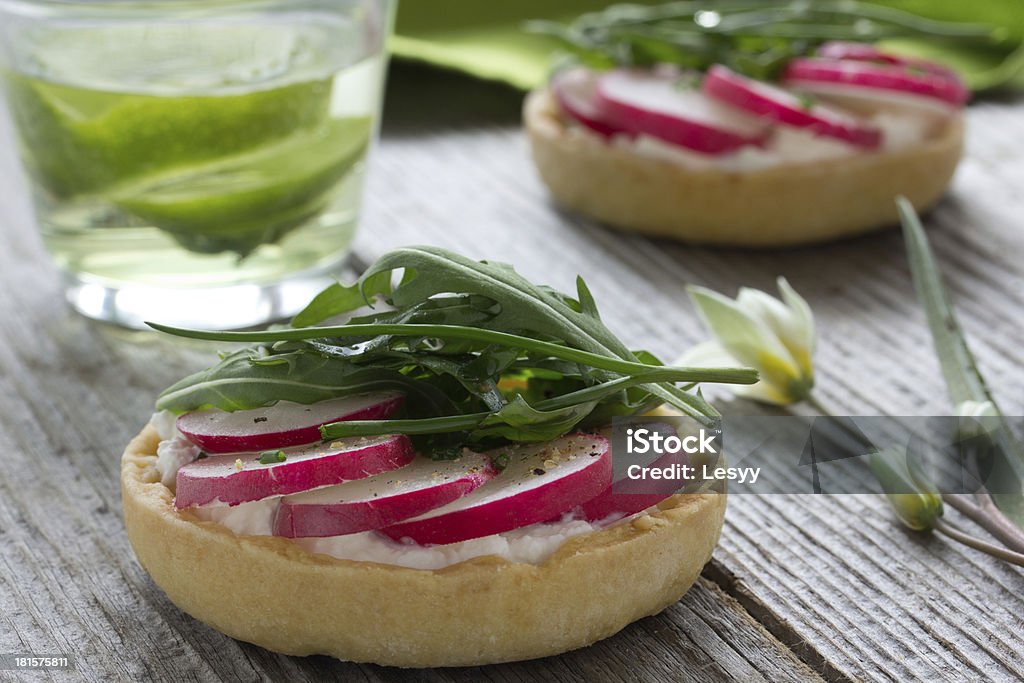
(835, 573)
(72, 393)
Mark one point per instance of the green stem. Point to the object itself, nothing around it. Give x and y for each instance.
(978, 544)
(986, 515)
(423, 425)
(459, 423)
(813, 401)
(594, 360)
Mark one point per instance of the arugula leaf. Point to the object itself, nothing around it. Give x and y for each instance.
(483, 355)
(354, 333)
(338, 299)
(519, 421)
(252, 378)
(526, 307)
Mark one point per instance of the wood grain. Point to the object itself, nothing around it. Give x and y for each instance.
(801, 587)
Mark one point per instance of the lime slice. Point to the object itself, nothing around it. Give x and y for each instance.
(78, 140)
(240, 202)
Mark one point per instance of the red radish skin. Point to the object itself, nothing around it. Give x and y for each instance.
(541, 482)
(866, 52)
(649, 103)
(576, 92)
(628, 496)
(625, 496)
(809, 74)
(771, 102)
(241, 478)
(281, 425)
(383, 499)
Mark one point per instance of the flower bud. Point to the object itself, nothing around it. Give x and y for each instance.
(914, 501)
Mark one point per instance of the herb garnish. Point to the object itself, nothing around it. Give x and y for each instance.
(483, 355)
(749, 36)
(272, 456)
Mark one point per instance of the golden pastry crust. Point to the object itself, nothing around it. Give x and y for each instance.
(270, 592)
(792, 204)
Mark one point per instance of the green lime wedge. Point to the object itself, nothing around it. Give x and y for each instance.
(77, 140)
(239, 202)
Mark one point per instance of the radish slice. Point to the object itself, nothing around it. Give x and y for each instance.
(281, 425)
(625, 496)
(541, 481)
(576, 92)
(865, 52)
(241, 477)
(774, 103)
(383, 499)
(824, 75)
(652, 104)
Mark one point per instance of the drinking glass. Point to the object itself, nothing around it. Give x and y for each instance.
(194, 162)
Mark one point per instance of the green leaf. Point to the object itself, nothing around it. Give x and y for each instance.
(587, 304)
(338, 299)
(963, 380)
(519, 421)
(524, 305)
(252, 378)
(452, 331)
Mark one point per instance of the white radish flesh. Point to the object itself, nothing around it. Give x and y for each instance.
(826, 75)
(281, 425)
(650, 103)
(241, 477)
(625, 496)
(576, 92)
(771, 102)
(383, 499)
(540, 482)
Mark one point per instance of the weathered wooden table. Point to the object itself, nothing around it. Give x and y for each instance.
(801, 587)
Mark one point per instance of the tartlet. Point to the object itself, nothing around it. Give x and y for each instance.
(270, 592)
(786, 205)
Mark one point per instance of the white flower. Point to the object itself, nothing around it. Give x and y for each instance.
(775, 337)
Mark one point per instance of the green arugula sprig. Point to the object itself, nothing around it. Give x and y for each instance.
(482, 354)
(753, 37)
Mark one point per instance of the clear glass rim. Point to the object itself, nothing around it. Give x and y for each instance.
(46, 8)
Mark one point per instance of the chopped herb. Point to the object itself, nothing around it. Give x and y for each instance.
(501, 460)
(259, 419)
(689, 81)
(807, 101)
(270, 457)
(538, 471)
